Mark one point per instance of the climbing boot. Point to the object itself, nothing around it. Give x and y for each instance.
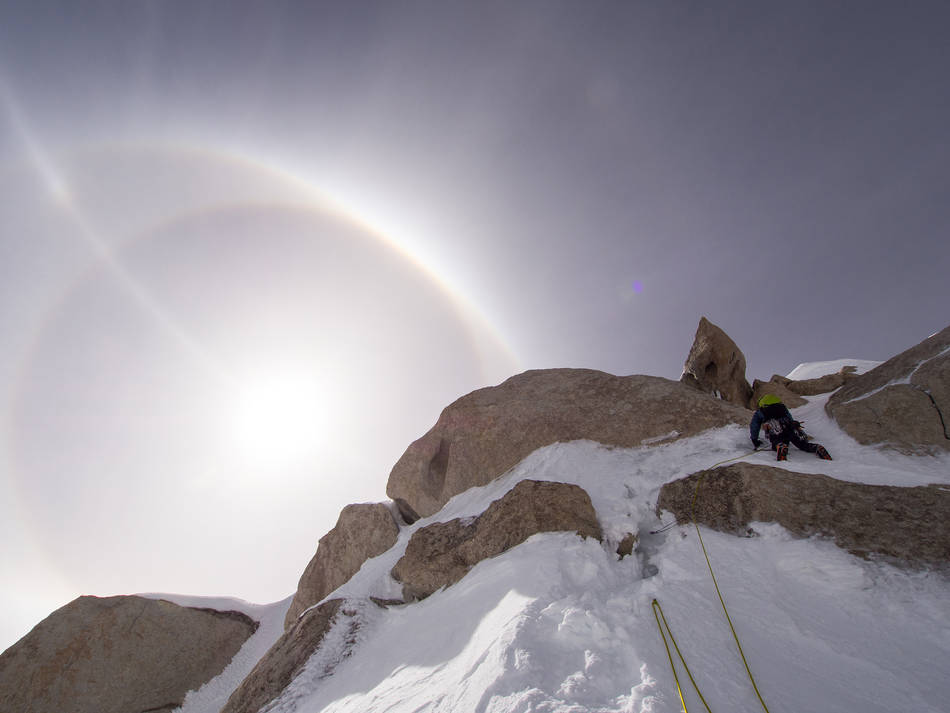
(822, 453)
(781, 451)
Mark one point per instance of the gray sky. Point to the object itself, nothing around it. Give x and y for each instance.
(248, 251)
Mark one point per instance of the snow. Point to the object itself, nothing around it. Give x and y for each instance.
(816, 369)
(560, 624)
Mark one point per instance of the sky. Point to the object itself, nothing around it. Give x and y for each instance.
(249, 251)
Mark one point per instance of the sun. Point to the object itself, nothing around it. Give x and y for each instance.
(279, 420)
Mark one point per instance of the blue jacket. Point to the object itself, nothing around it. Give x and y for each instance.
(767, 413)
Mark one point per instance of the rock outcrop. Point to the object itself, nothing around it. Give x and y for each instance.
(287, 657)
(361, 532)
(715, 365)
(904, 403)
(792, 391)
(821, 384)
(118, 655)
(863, 519)
(777, 386)
(442, 553)
(489, 431)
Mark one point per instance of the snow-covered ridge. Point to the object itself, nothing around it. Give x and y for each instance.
(562, 624)
(816, 369)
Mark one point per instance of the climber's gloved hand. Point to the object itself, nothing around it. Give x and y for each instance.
(756, 443)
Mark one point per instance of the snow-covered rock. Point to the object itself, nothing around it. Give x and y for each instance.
(817, 369)
(556, 622)
(824, 384)
(292, 651)
(563, 624)
(362, 531)
(863, 519)
(792, 391)
(904, 403)
(440, 554)
(487, 432)
(560, 623)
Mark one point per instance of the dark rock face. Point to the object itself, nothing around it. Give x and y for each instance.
(442, 553)
(487, 432)
(361, 532)
(118, 655)
(906, 523)
(904, 403)
(716, 365)
(287, 657)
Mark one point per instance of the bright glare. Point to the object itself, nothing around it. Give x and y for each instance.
(279, 420)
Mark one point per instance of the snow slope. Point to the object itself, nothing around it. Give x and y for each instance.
(561, 624)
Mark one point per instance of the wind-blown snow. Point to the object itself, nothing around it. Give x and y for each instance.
(562, 624)
(816, 369)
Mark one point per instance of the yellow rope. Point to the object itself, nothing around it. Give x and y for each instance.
(658, 613)
(728, 618)
(656, 605)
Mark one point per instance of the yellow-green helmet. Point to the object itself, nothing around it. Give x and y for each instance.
(768, 400)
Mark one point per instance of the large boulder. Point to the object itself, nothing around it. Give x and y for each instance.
(118, 655)
(715, 365)
(863, 519)
(442, 553)
(904, 403)
(361, 532)
(487, 432)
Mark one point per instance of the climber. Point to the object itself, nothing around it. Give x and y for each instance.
(781, 429)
